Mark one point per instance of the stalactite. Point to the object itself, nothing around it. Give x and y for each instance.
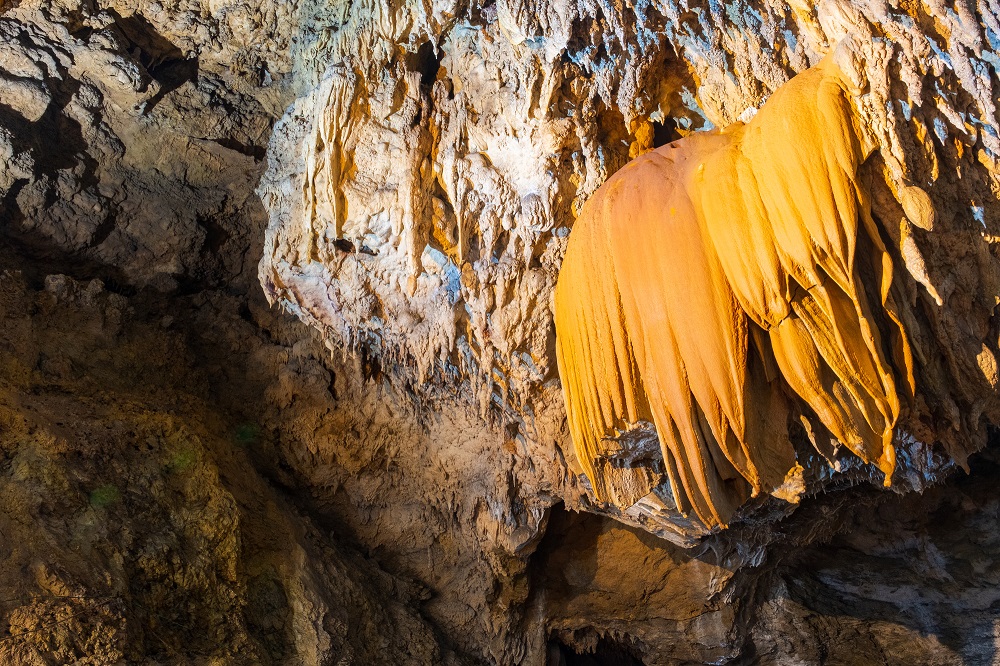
(715, 281)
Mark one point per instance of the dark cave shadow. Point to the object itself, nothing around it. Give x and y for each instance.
(571, 535)
(55, 142)
(872, 572)
(844, 583)
(163, 60)
(608, 652)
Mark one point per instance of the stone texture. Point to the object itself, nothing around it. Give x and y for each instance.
(190, 475)
(136, 526)
(421, 192)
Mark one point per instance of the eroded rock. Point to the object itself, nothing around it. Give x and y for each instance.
(419, 418)
(420, 197)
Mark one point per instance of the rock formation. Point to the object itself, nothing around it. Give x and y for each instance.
(702, 270)
(379, 468)
(447, 267)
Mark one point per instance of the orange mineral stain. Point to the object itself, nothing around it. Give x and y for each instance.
(713, 281)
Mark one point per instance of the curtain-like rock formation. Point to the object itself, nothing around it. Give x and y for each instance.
(704, 270)
(421, 196)
(192, 475)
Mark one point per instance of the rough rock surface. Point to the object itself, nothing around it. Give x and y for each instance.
(135, 525)
(420, 194)
(189, 476)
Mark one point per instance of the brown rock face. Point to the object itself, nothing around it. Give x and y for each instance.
(137, 529)
(383, 473)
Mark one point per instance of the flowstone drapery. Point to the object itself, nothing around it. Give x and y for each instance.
(422, 196)
(713, 279)
(188, 475)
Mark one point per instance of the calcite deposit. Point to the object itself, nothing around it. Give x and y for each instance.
(703, 271)
(278, 344)
(422, 217)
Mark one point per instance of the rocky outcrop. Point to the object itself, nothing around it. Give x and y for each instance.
(421, 193)
(120, 145)
(191, 475)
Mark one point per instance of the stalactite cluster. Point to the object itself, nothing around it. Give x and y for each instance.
(725, 283)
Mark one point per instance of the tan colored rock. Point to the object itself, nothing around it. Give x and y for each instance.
(138, 529)
(470, 135)
(421, 193)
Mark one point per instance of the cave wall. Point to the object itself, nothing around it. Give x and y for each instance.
(421, 191)
(377, 468)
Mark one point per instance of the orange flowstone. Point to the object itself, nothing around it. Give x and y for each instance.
(710, 281)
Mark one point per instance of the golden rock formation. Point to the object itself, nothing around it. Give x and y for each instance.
(716, 284)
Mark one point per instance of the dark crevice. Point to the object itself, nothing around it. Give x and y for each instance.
(83, 33)
(344, 245)
(608, 652)
(371, 365)
(665, 132)
(427, 61)
(256, 152)
(216, 235)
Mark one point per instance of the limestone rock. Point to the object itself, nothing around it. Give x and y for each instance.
(137, 527)
(393, 481)
(421, 193)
